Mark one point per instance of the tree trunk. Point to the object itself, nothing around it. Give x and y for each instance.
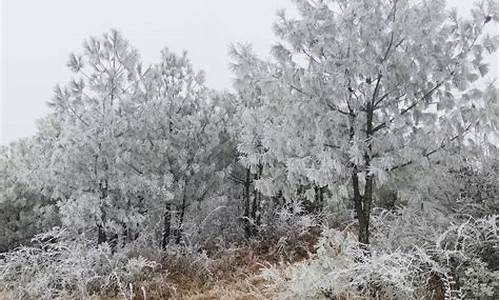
(363, 220)
(362, 203)
(167, 214)
(367, 203)
(181, 217)
(318, 204)
(101, 233)
(367, 198)
(364, 232)
(255, 213)
(321, 198)
(258, 213)
(246, 213)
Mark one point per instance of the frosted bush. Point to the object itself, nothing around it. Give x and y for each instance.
(61, 268)
(291, 219)
(449, 247)
(341, 268)
(411, 258)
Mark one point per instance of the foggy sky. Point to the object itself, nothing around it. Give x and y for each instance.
(38, 36)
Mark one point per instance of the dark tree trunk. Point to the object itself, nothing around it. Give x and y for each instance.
(253, 211)
(258, 213)
(101, 233)
(256, 205)
(367, 203)
(321, 198)
(362, 203)
(246, 213)
(181, 218)
(167, 215)
(318, 204)
(364, 232)
(364, 206)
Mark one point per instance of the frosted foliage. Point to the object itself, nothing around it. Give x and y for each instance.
(340, 268)
(395, 269)
(130, 140)
(62, 268)
(368, 87)
(24, 211)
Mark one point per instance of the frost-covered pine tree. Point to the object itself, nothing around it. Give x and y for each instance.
(373, 88)
(176, 139)
(93, 114)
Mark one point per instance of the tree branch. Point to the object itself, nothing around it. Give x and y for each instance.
(429, 153)
(413, 105)
(331, 106)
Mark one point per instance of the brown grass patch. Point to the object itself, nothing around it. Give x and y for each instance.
(225, 274)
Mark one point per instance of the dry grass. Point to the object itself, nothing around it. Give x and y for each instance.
(225, 274)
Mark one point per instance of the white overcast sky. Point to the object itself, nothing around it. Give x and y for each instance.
(37, 37)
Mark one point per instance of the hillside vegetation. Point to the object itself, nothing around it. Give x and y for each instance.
(359, 162)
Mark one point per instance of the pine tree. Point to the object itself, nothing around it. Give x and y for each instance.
(361, 90)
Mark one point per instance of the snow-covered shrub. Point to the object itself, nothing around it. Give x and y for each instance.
(440, 235)
(449, 246)
(413, 256)
(407, 227)
(472, 187)
(341, 268)
(469, 253)
(58, 267)
(289, 220)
